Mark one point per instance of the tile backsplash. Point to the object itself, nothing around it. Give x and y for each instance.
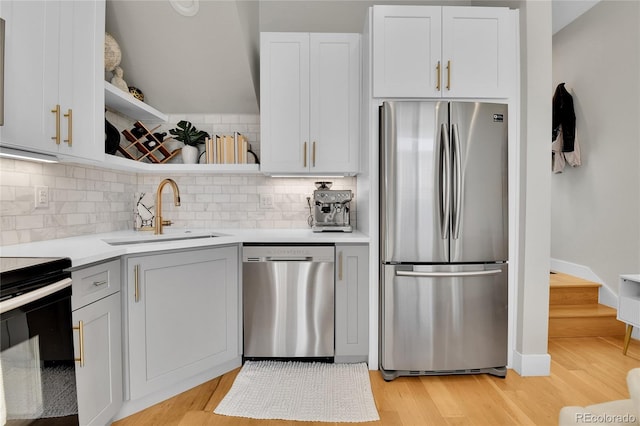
(82, 200)
(87, 200)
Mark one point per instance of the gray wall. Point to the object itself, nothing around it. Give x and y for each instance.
(595, 208)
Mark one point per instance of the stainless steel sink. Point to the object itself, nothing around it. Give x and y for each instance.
(159, 238)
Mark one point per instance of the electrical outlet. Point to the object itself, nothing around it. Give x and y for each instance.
(266, 201)
(42, 197)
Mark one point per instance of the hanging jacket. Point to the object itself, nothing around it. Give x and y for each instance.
(564, 118)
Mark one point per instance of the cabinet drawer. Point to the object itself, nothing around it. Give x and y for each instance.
(94, 283)
(629, 310)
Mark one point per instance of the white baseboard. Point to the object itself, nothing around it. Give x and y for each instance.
(532, 364)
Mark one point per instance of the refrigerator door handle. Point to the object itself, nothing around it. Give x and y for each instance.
(447, 274)
(445, 179)
(458, 182)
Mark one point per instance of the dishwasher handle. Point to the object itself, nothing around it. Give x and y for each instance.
(288, 259)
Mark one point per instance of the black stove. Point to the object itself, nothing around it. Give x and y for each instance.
(37, 342)
(19, 275)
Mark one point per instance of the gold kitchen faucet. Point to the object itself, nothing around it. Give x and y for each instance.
(176, 201)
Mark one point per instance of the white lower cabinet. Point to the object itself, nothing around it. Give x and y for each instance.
(352, 303)
(97, 320)
(183, 320)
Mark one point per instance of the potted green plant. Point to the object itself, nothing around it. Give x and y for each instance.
(187, 133)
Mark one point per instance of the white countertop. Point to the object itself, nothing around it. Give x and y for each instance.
(87, 249)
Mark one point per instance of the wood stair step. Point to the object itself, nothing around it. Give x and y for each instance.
(584, 320)
(569, 290)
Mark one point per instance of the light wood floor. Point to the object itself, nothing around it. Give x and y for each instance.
(584, 371)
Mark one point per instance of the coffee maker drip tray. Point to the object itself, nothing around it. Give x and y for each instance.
(331, 228)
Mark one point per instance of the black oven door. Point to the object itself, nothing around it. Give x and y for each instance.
(37, 360)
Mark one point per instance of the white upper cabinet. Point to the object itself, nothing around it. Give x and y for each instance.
(478, 52)
(309, 103)
(53, 63)
(406, 51)
(449, 52)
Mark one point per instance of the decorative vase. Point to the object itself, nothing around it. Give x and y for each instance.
(189, 154)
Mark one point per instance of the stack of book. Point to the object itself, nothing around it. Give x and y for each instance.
(227, 149)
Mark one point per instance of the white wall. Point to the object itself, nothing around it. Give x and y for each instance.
(595, 208)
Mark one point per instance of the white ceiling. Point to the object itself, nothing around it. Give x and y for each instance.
(209, 63)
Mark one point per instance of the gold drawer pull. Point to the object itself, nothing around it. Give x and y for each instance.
(69, 116)
(304, 156)
(136, 284)
(313, 155)
(80, 329)
(439, 77)
(56, 111)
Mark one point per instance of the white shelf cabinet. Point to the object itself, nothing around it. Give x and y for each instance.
(182, 317)
(629, 305)
(96, 304)
(54, 59)
(352, 303)
(120, 163)
(309, 103)
(443, 51)
(125, 104)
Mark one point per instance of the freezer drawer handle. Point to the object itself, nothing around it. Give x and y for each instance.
(447, 274)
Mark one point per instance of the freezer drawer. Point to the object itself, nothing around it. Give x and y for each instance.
(288, 301)
(443, 319)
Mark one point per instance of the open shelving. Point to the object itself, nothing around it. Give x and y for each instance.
(125, 104)
(128, 106)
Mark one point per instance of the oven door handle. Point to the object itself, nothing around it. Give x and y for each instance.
(34, 295)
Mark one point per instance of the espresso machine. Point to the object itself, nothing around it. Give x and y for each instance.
(331, 209)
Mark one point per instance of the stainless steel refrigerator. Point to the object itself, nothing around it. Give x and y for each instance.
(443, 238)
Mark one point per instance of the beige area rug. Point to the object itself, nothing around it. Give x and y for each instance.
(303, 391)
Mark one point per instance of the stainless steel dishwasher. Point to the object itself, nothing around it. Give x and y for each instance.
(288, 301)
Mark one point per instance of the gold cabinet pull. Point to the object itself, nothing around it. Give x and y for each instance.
(313, 155)
(438, 78)
(340, 266)
(69, 116)
(448, 75)
(304, 156)
(136, 283)
(56, 111)
(80, 329)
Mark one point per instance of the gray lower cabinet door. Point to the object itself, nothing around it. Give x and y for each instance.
(183, 316)
(352, 303)
(99, 374)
